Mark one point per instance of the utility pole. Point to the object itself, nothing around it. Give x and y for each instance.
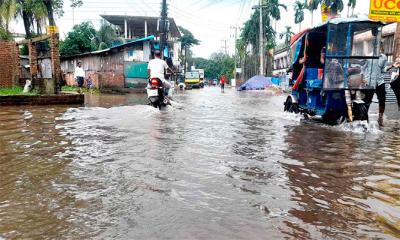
(224, 47)
(163, 27)
(236, 52)
(261, 40)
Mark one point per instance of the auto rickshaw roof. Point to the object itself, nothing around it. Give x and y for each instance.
(333, 21)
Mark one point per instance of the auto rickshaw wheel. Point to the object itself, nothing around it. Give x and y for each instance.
(290, 106)
(360, 112)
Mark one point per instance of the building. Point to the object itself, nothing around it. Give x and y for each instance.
(281, 61)
(134, 27)
(120, 66)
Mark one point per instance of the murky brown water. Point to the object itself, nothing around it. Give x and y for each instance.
(214, 166)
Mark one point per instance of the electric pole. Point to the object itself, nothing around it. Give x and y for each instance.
(261, 40)
(163, 28)
(236, 52)
(224, 46)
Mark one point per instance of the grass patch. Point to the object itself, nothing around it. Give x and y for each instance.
(83, 90)
(15, 91)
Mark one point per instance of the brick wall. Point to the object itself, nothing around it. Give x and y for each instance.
(100, 79)
(9, 64)
(55, 60)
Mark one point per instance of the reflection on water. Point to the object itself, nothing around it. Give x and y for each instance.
(214, 166)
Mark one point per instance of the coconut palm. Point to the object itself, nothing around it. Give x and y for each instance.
(336, 6)
(351, 4)
(299, 13)
(8, 10)
(311, 6)
(287, 35)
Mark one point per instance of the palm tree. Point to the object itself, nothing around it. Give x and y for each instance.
(287, 35)
(351, 4)
(106, 36)
(299, 13)
(336, 6)
(311, 6)
(272, 10)
(8, 10)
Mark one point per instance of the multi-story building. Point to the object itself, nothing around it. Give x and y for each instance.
(136, 27)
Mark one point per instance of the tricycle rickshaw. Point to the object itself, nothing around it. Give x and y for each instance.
(334, 70)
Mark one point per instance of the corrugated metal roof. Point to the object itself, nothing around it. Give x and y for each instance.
(130, 42)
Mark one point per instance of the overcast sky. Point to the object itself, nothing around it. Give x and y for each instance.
(211, 21)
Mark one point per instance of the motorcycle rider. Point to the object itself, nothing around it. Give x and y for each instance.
(157, 68)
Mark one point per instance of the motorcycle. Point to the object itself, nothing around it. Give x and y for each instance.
(156, 94)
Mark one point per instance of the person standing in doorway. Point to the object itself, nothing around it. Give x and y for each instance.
(222, 83)
(79, 76)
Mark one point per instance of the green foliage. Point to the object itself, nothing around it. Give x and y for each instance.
(24, 50)
(335, 6)
(312, 5)
(218, 64)
(287, 35)
(299, 12)
(80, 40)
(95, 91)
(187, 40)
(105, 36)
(250, 33)
(103, 46)
(15, 91)
(352, 3)
(118, 41)
(84, 38)
(4, 34)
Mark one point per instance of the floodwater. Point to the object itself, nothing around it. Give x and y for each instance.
(213, 166)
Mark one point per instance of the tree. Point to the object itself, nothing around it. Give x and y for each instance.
(106, 36)
(34, 13)
(351, 4)
(299, 13)
(8, 10)
(218, 64)
(287, 35)
(311, 6)
(335, 6)
(80, 40)
(250, 33)
(187, 41)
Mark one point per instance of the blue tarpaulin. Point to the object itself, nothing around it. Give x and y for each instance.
(256, 83)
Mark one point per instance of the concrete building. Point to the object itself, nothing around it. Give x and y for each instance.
(134, 27)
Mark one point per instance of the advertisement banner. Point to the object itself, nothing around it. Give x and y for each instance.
(385, 10)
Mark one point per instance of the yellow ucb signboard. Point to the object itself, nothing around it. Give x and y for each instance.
(385, 10)
(52, 29)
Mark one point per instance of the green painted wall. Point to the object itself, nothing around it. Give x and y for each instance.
(135, 70)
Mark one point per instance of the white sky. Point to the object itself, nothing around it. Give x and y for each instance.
(210, 21)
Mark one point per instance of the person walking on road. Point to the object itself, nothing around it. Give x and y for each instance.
(222, 83)
(380, 84)
(79, 76)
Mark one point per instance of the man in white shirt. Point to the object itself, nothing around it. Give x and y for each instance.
(79, 75)
(157, 68)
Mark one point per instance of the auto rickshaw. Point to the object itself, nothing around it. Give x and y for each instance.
(334, 70)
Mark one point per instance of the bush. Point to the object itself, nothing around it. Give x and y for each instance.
(4, 34)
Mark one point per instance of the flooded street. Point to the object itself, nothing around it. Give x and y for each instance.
(213, 166)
